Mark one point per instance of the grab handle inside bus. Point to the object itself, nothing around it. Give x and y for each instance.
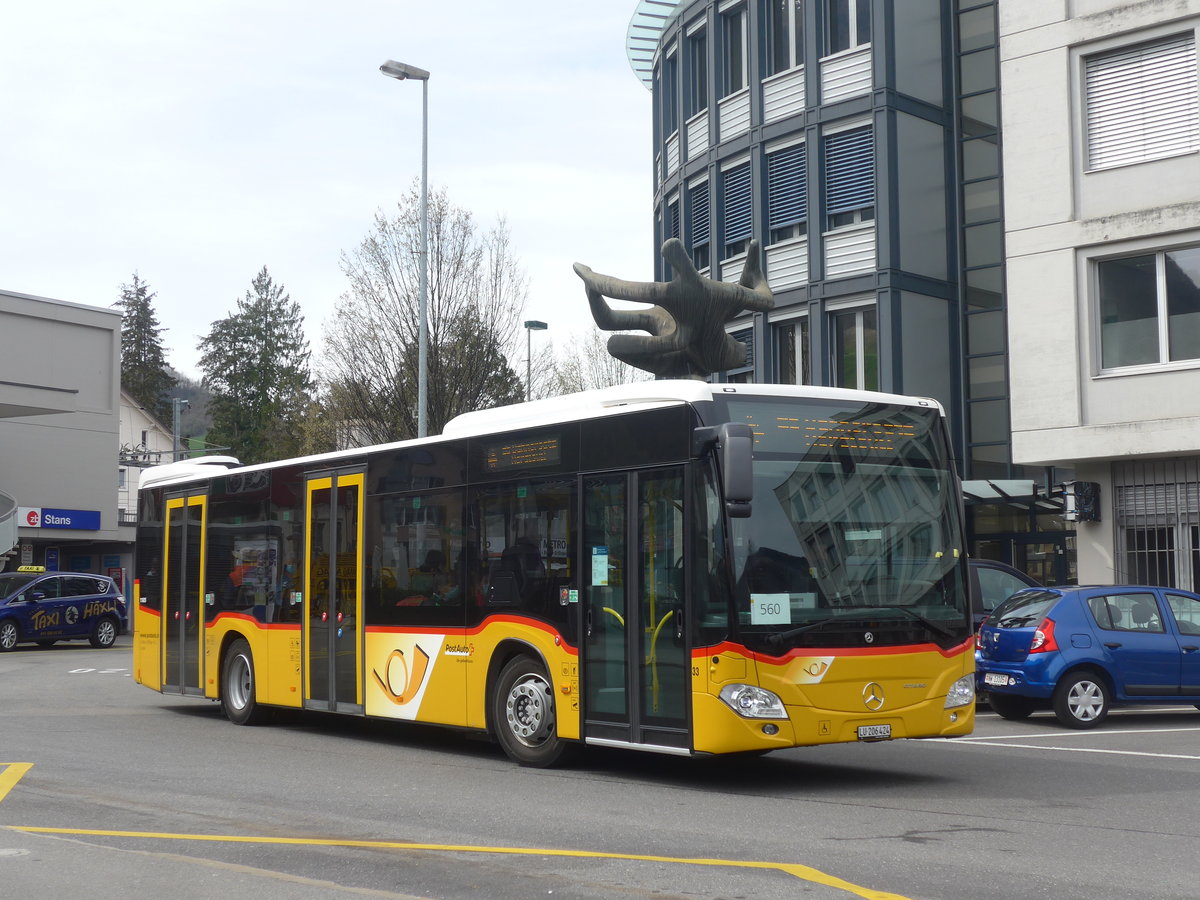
(734, 442)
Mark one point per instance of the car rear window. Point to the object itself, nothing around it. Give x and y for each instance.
(1024, 610)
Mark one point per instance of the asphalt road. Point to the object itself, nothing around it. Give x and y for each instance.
(110, 790)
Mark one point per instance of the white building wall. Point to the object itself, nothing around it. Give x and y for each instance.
(144, 442)
(58, 448)
(1061, 218)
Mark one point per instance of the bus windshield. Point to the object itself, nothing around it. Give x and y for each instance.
(855, 528)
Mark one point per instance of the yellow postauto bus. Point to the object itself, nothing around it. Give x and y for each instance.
(669, 566)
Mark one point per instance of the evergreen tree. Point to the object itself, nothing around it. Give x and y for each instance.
(144, 372)
(256, 364)
(476, 292)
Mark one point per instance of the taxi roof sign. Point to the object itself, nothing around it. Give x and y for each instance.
(37, 569)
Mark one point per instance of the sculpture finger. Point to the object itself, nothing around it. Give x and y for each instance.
(757, 294)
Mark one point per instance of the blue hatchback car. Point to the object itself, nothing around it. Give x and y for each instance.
(46, 607)
(1082, 650)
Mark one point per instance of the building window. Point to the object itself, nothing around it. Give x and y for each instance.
(791, 352)
(849, 24)
(671, 230)
(699, 228)
(850, 177)
(745, 373)
(856, 349)
(696, 96)
(1141, 103)
(785, 43)
(737, 220)
(1149, 308)
(1156, 504)
(734, 51)
(670, 95)
(787, 193)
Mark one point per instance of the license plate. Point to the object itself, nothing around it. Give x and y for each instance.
(995, 678)
(874, 732)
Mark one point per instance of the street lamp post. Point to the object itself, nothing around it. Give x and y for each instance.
(531, 326)
(402, 72)
(177, 404)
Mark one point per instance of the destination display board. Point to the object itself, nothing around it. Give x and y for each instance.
(545, 450)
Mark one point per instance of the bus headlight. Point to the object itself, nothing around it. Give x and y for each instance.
(752, 702)
(961, 692)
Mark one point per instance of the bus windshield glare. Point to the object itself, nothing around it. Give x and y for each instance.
(855, 526)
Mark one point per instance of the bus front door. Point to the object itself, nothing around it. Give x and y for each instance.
(183, 581)
(333, 625)
(635, 656)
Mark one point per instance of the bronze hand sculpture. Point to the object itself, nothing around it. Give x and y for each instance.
(687, 317)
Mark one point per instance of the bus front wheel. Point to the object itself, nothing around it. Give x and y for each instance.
(523, 714)
(237, 686)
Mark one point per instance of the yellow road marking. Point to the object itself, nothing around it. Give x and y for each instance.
(11, 774)
(806, 873)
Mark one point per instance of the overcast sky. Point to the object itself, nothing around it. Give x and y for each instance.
(196, 142)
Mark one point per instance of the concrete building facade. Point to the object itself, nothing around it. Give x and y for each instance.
(1101, 128)
(59, 435)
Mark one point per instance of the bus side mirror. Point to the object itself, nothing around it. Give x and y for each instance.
(734, 442)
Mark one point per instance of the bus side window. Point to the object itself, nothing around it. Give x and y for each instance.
(526, 529)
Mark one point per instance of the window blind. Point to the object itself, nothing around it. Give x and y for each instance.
(1142, 103)
(698, 204)
(787, 187)
(849, 170)
(736, 190)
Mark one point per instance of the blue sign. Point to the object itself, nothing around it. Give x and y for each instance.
(51, 559)
(77, 519)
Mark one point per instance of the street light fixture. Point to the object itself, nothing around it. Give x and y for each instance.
(403, 72)
(530, 327)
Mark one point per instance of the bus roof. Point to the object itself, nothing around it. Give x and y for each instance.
(647, 394)
(567, 407)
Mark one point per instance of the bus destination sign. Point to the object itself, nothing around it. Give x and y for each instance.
(543, 451)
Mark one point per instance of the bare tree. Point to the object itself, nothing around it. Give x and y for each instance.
(476, 293)
(585, 363)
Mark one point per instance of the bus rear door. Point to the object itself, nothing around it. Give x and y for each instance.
(635, 658)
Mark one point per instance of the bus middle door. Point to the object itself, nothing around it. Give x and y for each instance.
(635, 658)
(333, 622)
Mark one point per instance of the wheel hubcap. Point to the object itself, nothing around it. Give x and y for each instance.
(107, 633)
(1085, 701)
(8, 637)
(240, 682)
(530, 711)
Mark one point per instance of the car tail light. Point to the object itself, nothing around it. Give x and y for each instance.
(1043, 638)
(979, 634)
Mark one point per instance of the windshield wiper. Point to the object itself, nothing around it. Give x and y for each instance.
(928, 623)
(777, 639)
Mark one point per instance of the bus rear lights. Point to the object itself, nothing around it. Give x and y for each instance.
(752, 702)
(1043, 638)
(961, 693)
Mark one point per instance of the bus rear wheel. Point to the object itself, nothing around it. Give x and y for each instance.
(237, 686)
(523, 714)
